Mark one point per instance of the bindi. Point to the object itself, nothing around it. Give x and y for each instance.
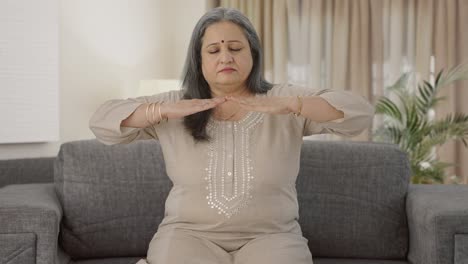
(222, 41)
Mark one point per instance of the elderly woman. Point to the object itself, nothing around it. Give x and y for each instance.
(231, 142)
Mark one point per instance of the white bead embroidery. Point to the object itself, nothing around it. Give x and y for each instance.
(218, 195)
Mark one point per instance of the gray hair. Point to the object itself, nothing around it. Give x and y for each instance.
(193, 81)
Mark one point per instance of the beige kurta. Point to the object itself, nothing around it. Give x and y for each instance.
(239, 188)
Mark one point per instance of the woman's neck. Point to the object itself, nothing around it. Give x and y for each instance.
(238, 92)
(230, 110)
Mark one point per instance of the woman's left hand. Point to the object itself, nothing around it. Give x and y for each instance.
(271, 105)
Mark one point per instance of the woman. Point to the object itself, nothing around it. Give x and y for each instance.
(231, 142)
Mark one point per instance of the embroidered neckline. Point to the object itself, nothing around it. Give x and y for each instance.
(229, 176)
(212, 123)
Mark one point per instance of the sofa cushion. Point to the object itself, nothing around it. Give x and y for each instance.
(31, 214)
(461, 248)
(112, 197)
(352, 199)
(357, 261)
(108, 261)
(26, 170)
(18, 248)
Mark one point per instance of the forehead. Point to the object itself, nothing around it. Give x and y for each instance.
(226, 31)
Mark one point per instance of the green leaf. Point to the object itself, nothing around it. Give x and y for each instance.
(389, 108)
(401, 83)
(456, 73)
(437, 80)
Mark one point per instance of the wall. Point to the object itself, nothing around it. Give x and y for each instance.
(29, 61)
(106, 48)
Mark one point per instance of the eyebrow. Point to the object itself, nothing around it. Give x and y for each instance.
(229, 41)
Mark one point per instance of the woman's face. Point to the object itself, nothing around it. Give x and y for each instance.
(226, 57)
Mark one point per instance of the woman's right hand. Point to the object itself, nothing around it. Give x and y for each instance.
(184, 108)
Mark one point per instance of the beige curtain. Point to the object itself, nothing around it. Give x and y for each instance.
(332, 47)
(415, 31)
(449, 38)
(269, 18)
(364, 46)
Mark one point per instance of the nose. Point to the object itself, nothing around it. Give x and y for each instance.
(225, 57)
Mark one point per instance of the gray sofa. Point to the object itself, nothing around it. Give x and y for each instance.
(105, 204)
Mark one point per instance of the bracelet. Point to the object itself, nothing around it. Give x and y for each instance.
(300, 106)
(147, 117)
(153, 119)
(159, 111)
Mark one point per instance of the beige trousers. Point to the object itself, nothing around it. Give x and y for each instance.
(181, 247)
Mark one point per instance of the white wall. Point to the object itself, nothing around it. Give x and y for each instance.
(106, 48)
(29, 61)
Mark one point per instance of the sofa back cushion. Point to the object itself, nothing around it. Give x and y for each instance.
(352, 199)
(112, 197)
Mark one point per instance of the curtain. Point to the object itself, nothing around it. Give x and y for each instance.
(368, 44)
(426, 36)
(449, 38)
(332, 47)
(364, 46)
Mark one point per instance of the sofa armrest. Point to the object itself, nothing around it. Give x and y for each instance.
(438, 223)
(29, 223)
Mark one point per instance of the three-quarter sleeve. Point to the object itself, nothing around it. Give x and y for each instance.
(358, 114)
(106, 120)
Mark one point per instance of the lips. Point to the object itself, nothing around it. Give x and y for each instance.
(227, 69)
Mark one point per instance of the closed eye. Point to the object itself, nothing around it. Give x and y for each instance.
(216, 51)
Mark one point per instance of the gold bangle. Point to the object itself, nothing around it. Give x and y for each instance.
(147, 119)
(159, 111)
(160, 115)
(300, 106)
(153, 119)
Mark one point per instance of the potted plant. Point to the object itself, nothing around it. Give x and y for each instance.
(408, 121)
